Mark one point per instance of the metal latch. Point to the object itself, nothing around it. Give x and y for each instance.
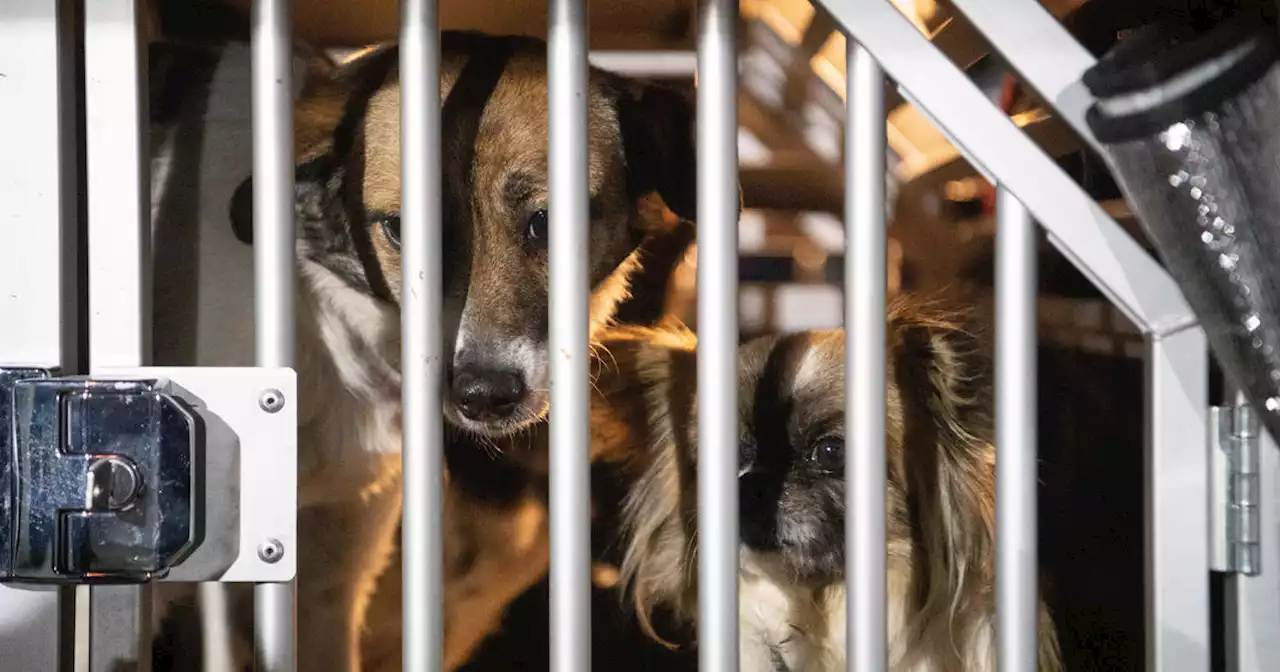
(99, 478)
(1234, 437)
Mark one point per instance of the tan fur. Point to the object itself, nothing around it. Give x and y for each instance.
(941, 466)
(492, 555)
(513, 139)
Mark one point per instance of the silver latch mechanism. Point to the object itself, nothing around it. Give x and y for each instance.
(101, 478)
(134, 475)
(1234, 443)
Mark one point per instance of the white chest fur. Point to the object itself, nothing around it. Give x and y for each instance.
(785, 626)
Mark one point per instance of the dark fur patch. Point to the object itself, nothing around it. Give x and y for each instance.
(494, 479)
(460, 122)
(657, 126)
(461, 115)
(659, 258)
(767, 445)
(357, 217)
(772, 403)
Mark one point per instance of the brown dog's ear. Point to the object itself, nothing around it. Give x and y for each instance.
(325, 128)
(659, 136)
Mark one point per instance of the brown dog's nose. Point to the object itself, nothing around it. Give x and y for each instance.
(486, 393)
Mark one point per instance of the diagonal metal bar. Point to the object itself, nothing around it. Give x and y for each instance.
(1093, 242)
(1045, 56)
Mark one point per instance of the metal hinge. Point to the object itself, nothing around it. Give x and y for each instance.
(1234, 438)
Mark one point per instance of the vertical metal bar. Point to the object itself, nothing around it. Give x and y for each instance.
(717, 336)
(216, 640)
(38, 210)
(119, 211)
(119, 185)
(570, 403)
(1016, 585)
(421, 303)
(41, 304)
(120, 628)
(1177, 516)
(272, 57)
(864, 308)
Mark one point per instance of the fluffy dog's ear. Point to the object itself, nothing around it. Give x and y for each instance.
(942, 373)
(646, 411)
(956, 366)
(659, 136)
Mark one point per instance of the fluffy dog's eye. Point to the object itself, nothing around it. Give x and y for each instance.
(536, 228)
(828, 455)
(391, 229)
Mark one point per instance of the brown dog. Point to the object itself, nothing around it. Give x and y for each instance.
(494, 160)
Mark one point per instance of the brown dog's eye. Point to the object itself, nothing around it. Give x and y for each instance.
(828, 455)
(391, 229)
(536, 229)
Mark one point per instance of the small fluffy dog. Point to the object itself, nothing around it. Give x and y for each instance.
(940, 489)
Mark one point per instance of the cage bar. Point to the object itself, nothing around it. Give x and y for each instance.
(1176, 517)
(864, 302)
(1053, 63)
(273, 249)
(119, 234)
(1016, 584)
(664, 64)
(119, 186)
(421, 302)
(569, 288)
(41, 306)
(717, 116)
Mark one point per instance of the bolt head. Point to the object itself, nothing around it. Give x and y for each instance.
(271, 551)
(271, 400)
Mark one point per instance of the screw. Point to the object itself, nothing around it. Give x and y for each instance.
(271, 400)
(271, 551)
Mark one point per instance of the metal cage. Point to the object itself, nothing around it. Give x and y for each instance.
(66, 265)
